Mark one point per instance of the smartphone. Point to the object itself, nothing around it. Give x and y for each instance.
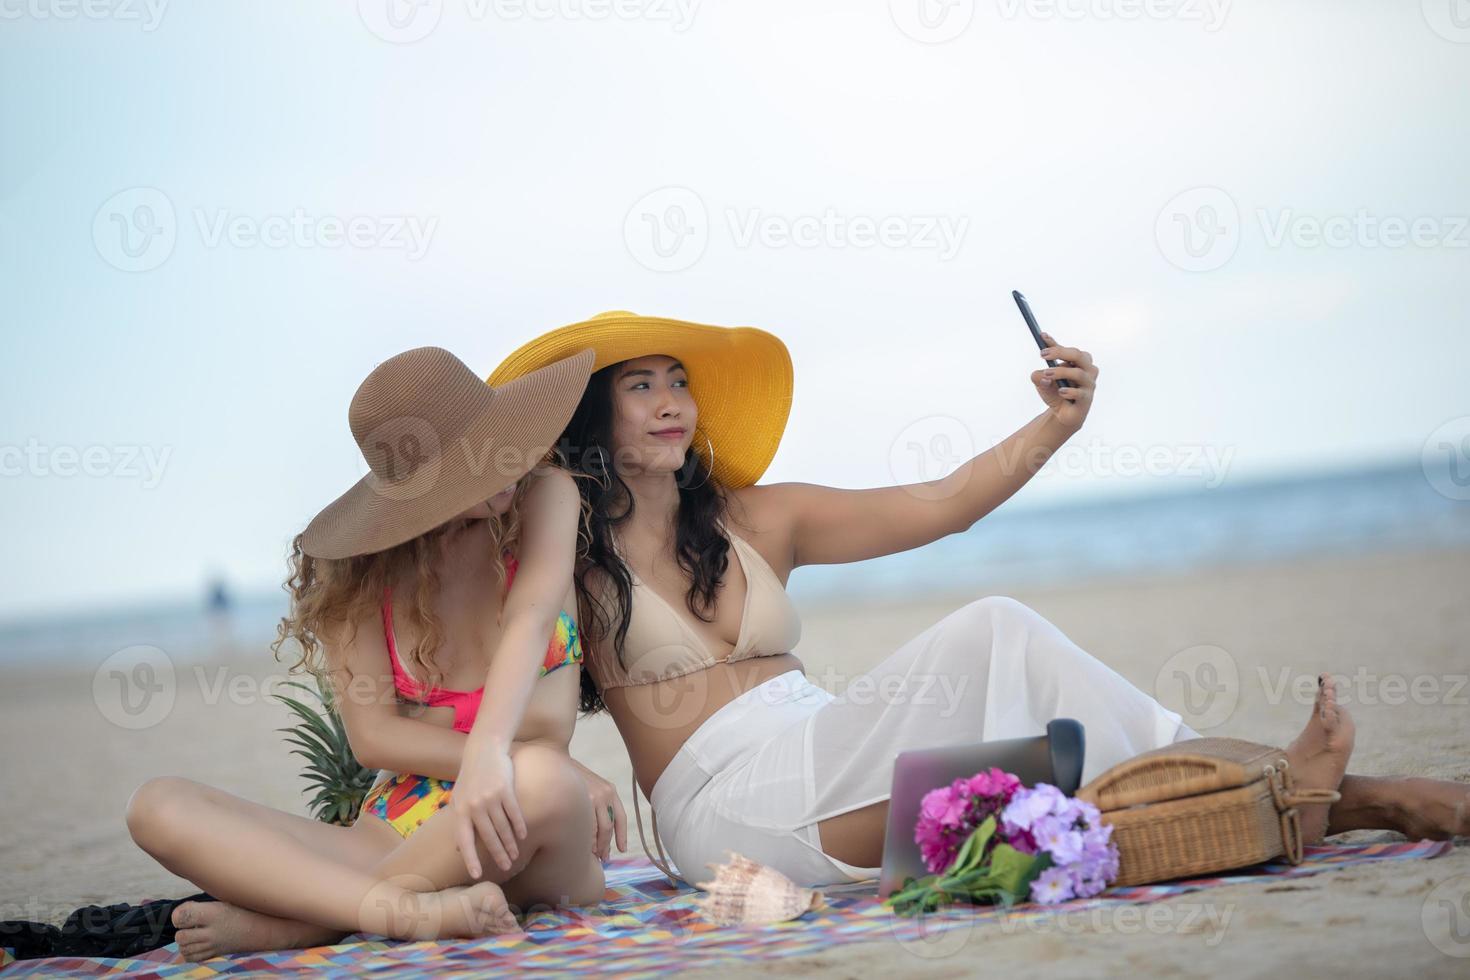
(1036, 333)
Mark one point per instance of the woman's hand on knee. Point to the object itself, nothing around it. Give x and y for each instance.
(607, 807)
(483, 806)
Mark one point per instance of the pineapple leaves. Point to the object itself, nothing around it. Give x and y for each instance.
(335, 780)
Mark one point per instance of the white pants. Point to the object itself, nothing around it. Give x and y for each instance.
(761, 772)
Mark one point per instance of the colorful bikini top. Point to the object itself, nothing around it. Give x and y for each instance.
(565, 648)
(661, 644)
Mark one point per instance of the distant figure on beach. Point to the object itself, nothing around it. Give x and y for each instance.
(219, 610)
(219, 596)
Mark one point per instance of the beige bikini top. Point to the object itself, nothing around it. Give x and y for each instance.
(661, 644)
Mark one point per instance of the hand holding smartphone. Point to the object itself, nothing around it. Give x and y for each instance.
(1036, 333)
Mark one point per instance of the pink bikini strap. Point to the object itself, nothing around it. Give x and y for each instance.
(400, 676)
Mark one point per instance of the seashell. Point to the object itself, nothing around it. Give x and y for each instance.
(746, 892)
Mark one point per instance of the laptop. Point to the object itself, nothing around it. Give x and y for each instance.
(1054, 758)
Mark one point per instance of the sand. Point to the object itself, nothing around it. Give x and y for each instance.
(1395, 628)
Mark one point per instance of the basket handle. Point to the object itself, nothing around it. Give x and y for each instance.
(1287, 798)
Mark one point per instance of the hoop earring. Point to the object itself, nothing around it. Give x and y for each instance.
(711, 468)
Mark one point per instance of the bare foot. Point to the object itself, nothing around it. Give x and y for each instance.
(1318, 757)
(472, 912)
(208, 929)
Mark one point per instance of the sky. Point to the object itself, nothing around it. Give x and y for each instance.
(216, 218)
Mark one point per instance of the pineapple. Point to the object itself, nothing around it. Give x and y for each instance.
(331, 769)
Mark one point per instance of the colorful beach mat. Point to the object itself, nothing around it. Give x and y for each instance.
(646, 927)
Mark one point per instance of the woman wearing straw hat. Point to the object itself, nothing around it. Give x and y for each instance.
(434, 582)
(689, 646)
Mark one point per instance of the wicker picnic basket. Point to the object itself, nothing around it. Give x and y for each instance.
(1201, 806)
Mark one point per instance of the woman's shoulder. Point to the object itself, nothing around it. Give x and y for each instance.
(756, 508)
(551, 491)
(760, 515)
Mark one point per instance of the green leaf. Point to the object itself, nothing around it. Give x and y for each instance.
(308, 732)
(297, 684)
(973, 851)
(912, 889)
(309, 744)
(1014, 871)
(310, 719)
(327, 776)
(339, 782)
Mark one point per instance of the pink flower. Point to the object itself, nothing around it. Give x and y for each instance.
(935, 804)
(996, 782)
(949, 815)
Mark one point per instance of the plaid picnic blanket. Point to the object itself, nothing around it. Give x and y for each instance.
(645, 927)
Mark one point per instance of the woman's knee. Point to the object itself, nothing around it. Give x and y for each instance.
(158, 810)
(992, 608)
(549, 789)
(1014, 629)
(999, 626)
(975, 624)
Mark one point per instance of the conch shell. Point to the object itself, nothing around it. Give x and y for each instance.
(746, 892)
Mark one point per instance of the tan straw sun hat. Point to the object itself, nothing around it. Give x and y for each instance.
(438, 440)
(740, 378)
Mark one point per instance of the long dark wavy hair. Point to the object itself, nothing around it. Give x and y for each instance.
(700, 547)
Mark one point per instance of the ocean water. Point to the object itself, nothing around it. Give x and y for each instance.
(1355, 512)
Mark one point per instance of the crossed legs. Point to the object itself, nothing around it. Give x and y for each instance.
(286, 881)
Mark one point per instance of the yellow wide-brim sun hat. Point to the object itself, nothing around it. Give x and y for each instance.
(740, 378)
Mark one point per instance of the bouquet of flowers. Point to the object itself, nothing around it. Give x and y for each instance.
(989, 839)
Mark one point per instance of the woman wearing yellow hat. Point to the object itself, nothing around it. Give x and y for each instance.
(691, 650)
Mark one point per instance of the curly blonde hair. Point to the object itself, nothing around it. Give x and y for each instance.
(329, 595)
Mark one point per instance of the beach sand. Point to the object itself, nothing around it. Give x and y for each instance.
(1395, 628)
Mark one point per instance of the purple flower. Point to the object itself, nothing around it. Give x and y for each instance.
(1089, 876)
(1058, 839)
(1051, 886)
(1070, 832)
(1029, 805)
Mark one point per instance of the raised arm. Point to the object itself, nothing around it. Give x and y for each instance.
(549, 516)
(829, 526)
(484, 800)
